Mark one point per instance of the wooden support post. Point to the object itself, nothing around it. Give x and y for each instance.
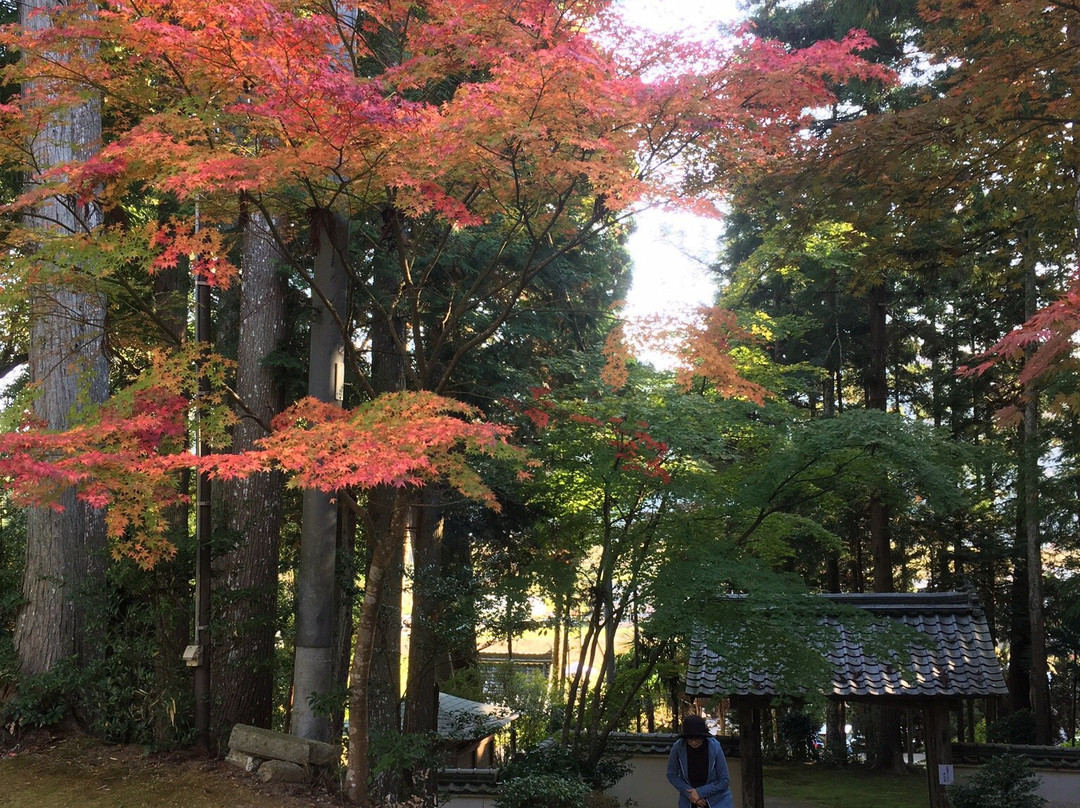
(753, 790)
(938, 750)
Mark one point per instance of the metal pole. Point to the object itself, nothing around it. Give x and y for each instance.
(203, 527)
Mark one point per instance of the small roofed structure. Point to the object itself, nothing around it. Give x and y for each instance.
(469, 727)
(955, 661)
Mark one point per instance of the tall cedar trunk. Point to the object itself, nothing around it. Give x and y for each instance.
(425, 648)
(1038, 673)
(456, 546)
(558, 640)
(606, 592)
(387, 376)
(1019, 679)
(383, 554)
(65, 550)
(246, 576)
(1031, 475)
(348, 574)
(835, 738)
(888, 753)
(313, 665)
(384, 687)
(877, 397)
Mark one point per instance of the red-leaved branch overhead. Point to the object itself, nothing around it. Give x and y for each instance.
(126, 458)
(481, 109)
(547, 120)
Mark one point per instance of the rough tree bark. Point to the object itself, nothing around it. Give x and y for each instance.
(383, 555)
(388, 375)
(313, 666)
(425, 648)
(65, 550)
(887, 754)
(1030, 475)
(246, 576)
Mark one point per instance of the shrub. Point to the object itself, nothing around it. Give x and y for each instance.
(797, 730)
(1018, 727)
(542, 791)
(41, 700)
(1006, 781)
(598, 799)
(552, 759)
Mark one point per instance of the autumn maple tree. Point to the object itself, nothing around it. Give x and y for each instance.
(467, 146)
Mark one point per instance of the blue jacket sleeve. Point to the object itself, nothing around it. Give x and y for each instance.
(674, 769)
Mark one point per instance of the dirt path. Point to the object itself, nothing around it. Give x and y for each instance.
(78, 772)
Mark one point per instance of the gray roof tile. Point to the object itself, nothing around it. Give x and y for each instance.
(957, 659)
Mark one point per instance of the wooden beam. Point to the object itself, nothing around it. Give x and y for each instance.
(753, 785)
(938, 749)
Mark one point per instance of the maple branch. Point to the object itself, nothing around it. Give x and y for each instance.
(283, 247)
(767, 511)
(584, 233)
(11, 358)
(249, 413)
(137, 303)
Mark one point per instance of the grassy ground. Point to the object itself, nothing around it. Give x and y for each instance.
(846, 788)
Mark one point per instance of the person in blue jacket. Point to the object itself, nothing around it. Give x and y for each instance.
(698, 769)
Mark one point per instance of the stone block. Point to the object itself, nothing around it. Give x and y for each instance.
(266, 743)
(323, 754)
(270, 745)
(282, 771)
(243, 760)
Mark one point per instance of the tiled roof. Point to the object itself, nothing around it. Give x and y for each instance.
(957, 658)
(464, 720)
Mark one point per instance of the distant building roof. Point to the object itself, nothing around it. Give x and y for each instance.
(956, 660)
(464, 720)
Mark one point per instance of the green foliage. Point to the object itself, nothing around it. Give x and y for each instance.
(527, 695)
(134, 688)
(860, 453)
(12, 549)
(395, 751)
(42, 700)
(1017, 727)
(112, 698)
(542, 791)
(1006, 781)
(797, 730)
(551, 760)
(330, 703)
(127, 690)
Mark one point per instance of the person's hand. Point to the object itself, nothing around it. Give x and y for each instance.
(695, 799)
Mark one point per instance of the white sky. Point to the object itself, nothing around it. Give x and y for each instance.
(670, 251)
